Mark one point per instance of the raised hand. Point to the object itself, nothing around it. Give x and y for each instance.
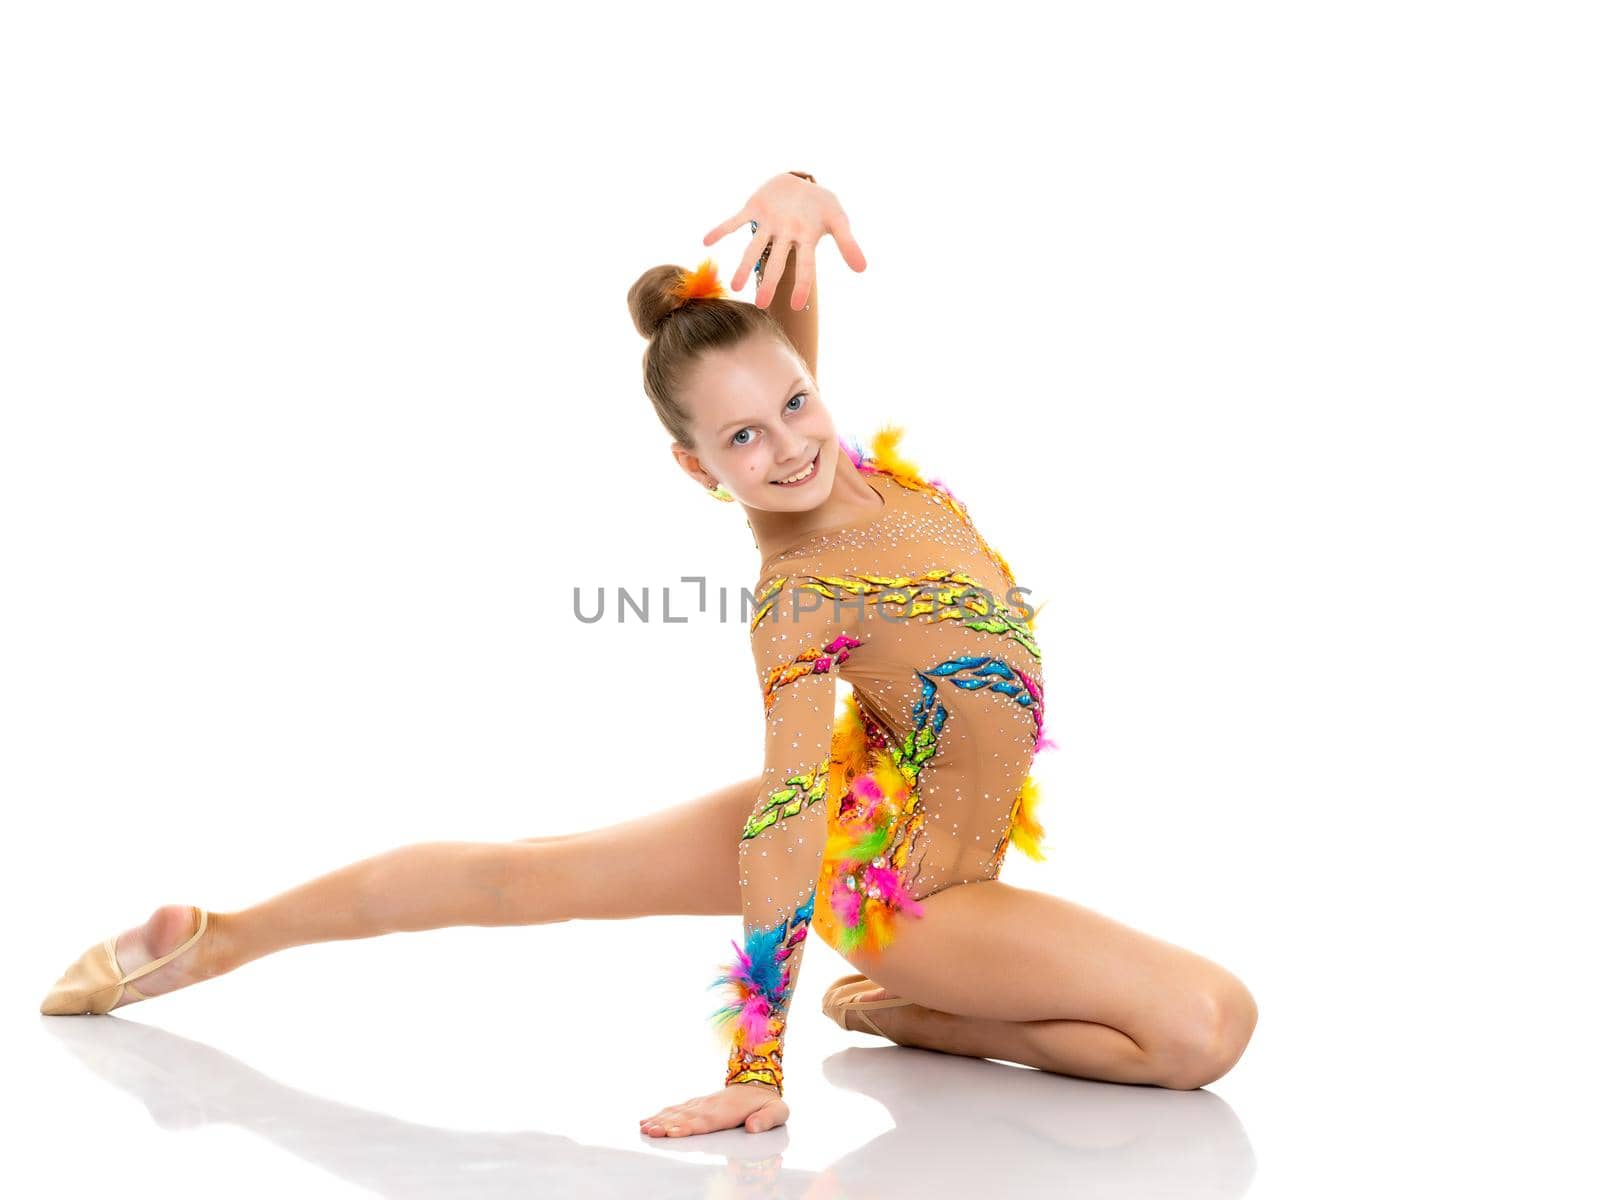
(792, 214)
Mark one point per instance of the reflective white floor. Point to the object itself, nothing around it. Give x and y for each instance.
(954, 1127)
(286, 1078)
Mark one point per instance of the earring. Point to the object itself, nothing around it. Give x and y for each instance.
(720, 493)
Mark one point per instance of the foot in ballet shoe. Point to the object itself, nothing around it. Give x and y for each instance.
(859, 996)
(177, 946)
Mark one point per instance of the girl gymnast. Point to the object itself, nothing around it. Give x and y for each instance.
(880, 825)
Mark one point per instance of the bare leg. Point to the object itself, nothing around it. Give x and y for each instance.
(1051, 984)
(682, 860)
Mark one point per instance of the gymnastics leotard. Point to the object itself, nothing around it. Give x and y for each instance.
(921, 781)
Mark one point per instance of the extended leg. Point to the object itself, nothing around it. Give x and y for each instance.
(1002, 972)
(682, 859)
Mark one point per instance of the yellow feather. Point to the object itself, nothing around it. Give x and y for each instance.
(849, 749)
(879, 930)
(886, 457)
(1026, 832)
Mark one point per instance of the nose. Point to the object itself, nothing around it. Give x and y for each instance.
(793, 447)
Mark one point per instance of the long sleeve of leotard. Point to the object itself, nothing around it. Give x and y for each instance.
(797, 652)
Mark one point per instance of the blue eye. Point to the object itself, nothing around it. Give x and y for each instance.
(734, 440)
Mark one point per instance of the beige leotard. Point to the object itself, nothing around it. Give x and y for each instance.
(922, 781)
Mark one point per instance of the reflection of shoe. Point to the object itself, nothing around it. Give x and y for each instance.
(95, 983)
(840, 1000)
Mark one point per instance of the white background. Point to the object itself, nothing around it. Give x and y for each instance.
(1259, 337)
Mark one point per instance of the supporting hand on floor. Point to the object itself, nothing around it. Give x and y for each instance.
(753, 1105)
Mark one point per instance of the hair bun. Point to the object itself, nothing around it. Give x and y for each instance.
(662, 290)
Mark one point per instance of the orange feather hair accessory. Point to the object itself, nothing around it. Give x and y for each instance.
(700, 284)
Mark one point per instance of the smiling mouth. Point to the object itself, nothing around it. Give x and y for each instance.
(805, 476)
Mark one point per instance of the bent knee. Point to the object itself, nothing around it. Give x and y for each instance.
(1207, 1034)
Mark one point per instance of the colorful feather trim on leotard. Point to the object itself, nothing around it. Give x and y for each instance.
(1026, 832)
(873, 812)
(758, 978)
(759, 985)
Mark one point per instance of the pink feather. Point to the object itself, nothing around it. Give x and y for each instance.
(754, 1022)
(739, 970)
(846, 902)
(890, 889)
(866, 788)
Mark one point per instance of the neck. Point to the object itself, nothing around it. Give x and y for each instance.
(851, 498)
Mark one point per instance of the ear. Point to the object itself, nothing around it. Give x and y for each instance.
(691, 465)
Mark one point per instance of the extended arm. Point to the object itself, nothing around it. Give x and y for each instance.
(781, 847)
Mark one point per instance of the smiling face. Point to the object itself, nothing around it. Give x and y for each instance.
(759, 428)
